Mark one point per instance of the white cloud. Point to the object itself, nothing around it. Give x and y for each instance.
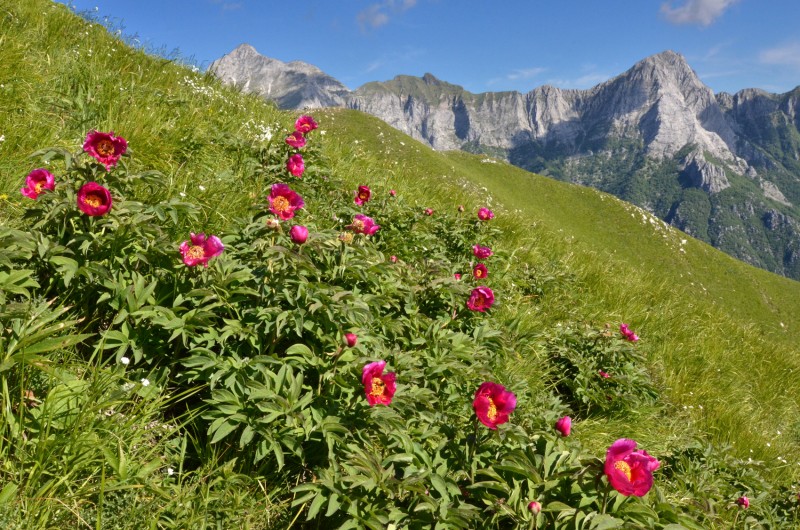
(702, 12)
(582, 82)
(788, 54)
(377, 15)
(525, 73)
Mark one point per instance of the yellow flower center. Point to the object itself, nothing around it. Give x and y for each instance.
(492, 412)
(478, 273)
(92, 200)
(621, 465)
(105, 147)
(377, 387)
(281, 204)
(38, 187)
(364, 196)
(196, 252)
(358, 225)
(346, 238)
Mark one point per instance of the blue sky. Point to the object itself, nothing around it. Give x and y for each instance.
(483, 45)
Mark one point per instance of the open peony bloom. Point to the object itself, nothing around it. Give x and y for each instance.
(283, 201)
(351, 339)
(627, 333)
(94, 200)
(37, 181)
(299, 234)
(480, 271)
(484, 214)
(493, 403)
(305, 124)
(630, 472)
(362, 195)
(201, 249)
(296, 140)
(743, 501)
(363, 225)
(564, 426)
(105, 147)
(481, 299)
(295, 165)
(378, 387)
(481, 252)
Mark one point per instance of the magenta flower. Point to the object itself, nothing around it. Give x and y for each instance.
(484, 214)
(493, 403)
(564, 426)
(480, 271)
(428, 211)
(603, 374)
(392, 193)
(299, 234)
(105, 147)
(627, 333)
(363, 225)
(630, 472)
(201, 249)
(481, 252)
(305, 124)
(457, 276)
(378, 387)
(295, 165)
(94, 200)
(351, 339)
(362, 195)
(296, 140)
(743, 501)
(283, 201)
(393, 259)
(37, 181)
(534, 507)
(481, 299)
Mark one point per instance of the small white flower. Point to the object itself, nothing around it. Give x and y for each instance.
(125, 361)
(779, 432)
(170, 471)
(2, 137)
(769, 444)
(202, 188)
(145, 382)
(182, 194)
(127, 387)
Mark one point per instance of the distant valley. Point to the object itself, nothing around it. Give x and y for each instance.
(724, 168)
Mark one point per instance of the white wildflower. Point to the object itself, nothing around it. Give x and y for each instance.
(202, 188)
(145, 382)
(125, 361)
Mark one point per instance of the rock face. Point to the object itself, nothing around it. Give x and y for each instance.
(654, 135)
(293, 85)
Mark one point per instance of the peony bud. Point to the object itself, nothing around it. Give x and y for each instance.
(351, 339)
(393, 259)
(392, 193)
(299, 234)
(564, 426)
(534, 507)
(743, 501)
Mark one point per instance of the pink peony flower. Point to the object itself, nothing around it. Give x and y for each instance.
(94, 200)
(534, 507)
(392, 193)
(305, 124)
(351, 339)
(105, 147)
(743, 501)
(283, 201)
(493, 403)
(201, 250)
(564, 426)
(481, 252)
(299, 234)
(393, 259)
(37, 181)
(603, 374)
(627, 333)
(363, 225)
(428, 211)
(378, 387)
(295, 165)
(630, 472)
(481, 299)
(457, 276)
(296, 140)
(362, 195)
(479, 271)
(484, 214)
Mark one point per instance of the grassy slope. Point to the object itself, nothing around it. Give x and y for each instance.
(711, 325)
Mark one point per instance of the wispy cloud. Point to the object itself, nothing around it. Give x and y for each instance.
(518, 74)
(377, 15)
(702, 12)
(584, 81)
(400, 57)
(787, 54)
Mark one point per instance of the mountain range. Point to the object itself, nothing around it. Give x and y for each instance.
(724, 168)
